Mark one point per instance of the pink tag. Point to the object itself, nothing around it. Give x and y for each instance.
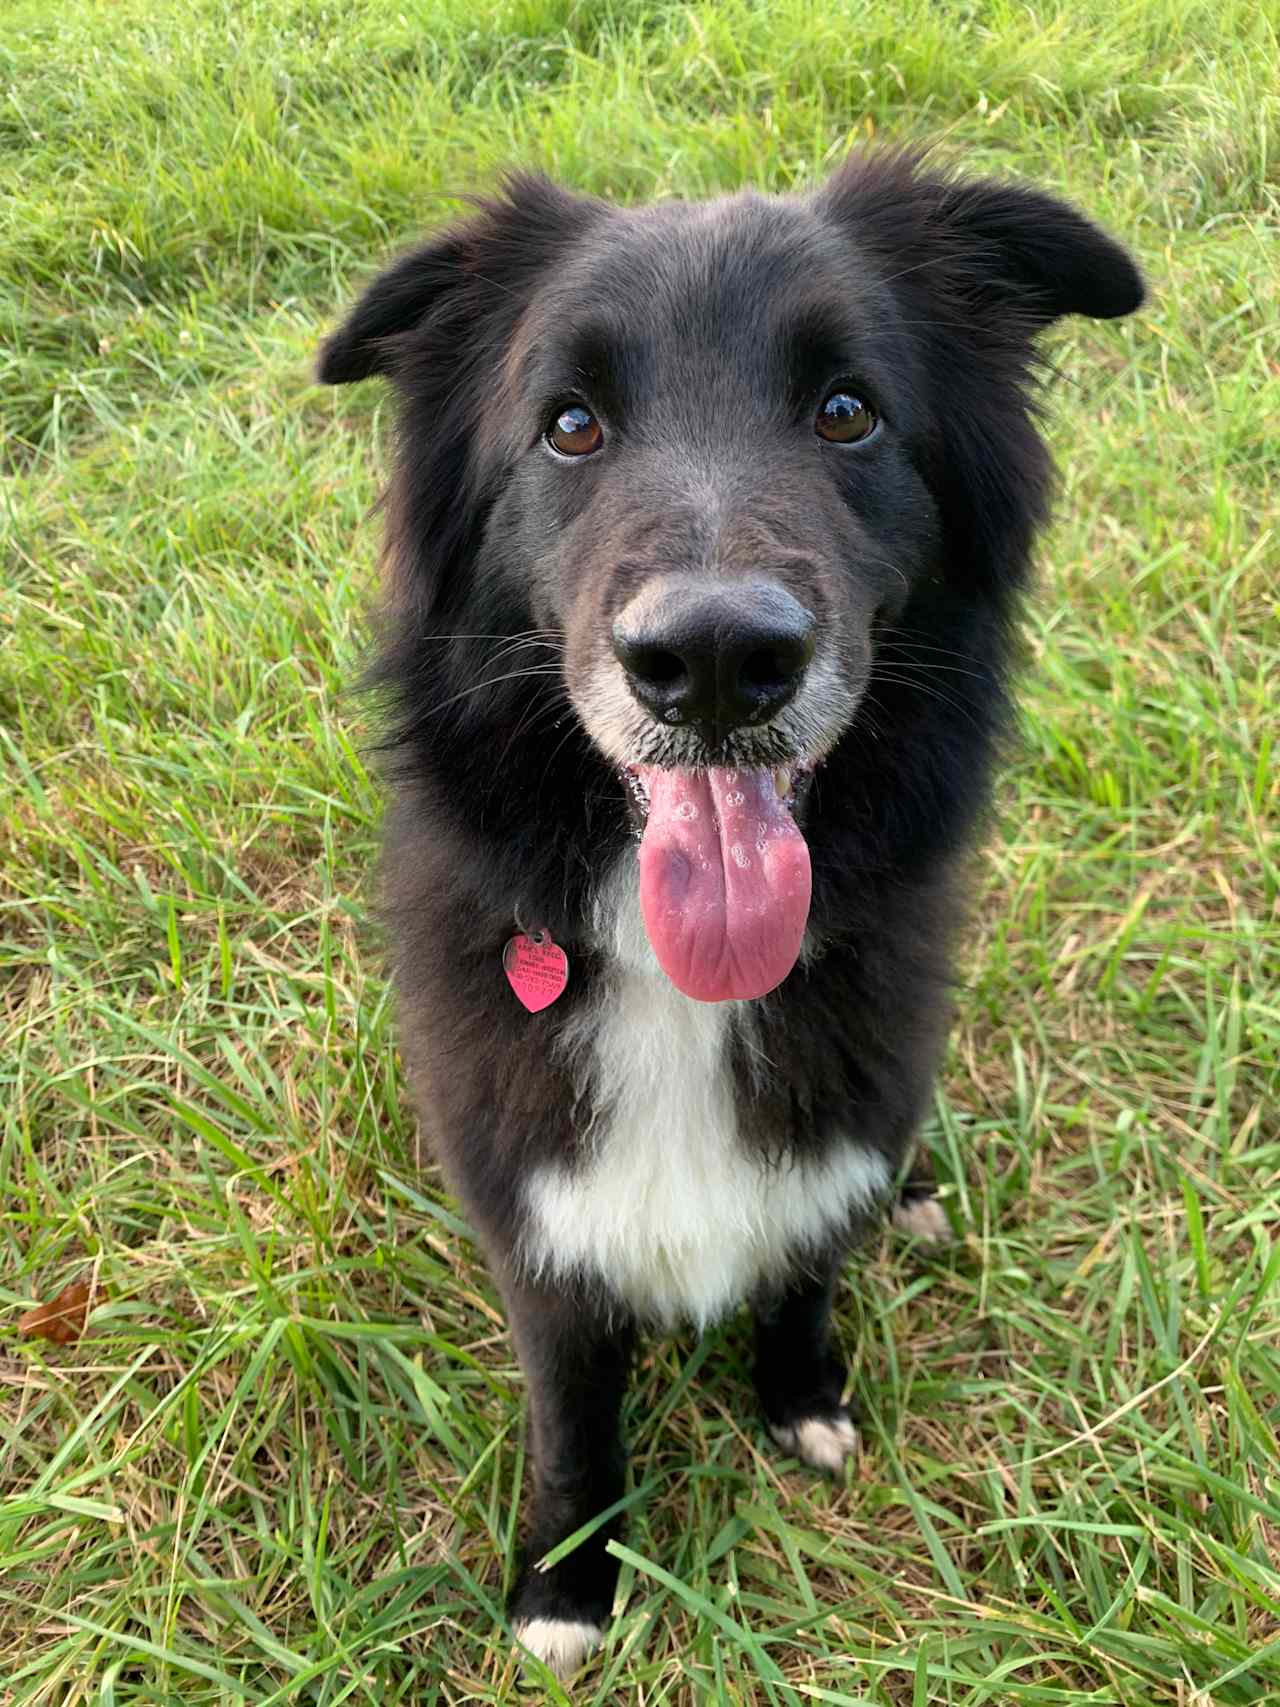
(537, 969)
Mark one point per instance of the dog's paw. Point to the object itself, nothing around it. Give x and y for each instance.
(923, 1218)
(562, 1644)
(826, 1443)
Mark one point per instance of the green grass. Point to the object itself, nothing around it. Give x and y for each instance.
(282, 1464)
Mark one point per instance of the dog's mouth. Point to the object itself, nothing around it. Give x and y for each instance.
(724, 874)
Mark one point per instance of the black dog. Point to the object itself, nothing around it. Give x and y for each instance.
(706, 537)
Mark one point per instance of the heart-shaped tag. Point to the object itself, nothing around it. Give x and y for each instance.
(537, 969)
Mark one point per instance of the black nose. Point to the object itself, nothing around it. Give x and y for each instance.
(716, 657)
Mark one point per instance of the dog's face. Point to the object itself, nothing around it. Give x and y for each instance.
(714, 436)
(711, 451)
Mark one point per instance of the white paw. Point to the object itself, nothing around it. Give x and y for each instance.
(828, 1443)
(925, 1219)
(560, 1643)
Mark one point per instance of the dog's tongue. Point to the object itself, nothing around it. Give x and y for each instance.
(724, 881)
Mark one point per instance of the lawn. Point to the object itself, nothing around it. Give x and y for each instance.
(281, 1463)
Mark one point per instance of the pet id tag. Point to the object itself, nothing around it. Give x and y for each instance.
(537, 969)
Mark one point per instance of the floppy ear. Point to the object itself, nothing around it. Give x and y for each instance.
(482, 266)
(982, 244)
(978, 268)
(395, 303)
(1052, 260)
(439, 322)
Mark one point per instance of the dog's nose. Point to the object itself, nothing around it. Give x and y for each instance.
(717, 658)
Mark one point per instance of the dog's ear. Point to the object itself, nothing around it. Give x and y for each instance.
(983, 243)
(395, 303)
(1052, 259)
(497, 252)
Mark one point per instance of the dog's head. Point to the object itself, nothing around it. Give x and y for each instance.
(705, 454)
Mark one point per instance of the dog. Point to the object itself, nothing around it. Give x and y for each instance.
(705, 544)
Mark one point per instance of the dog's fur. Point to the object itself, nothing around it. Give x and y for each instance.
(629, 1156)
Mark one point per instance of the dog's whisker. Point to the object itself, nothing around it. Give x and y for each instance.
(931, 692)
(452, 639)
(537, 670)
(542, 711)
(922, 640)
(901, 663)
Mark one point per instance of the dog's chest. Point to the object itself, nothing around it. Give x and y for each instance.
(666, 1206)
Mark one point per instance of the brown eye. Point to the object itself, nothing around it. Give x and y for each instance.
(844, 419)
(575, 431)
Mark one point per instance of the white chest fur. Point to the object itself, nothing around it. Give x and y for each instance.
(667, 1205)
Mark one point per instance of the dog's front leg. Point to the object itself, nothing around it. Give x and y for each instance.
(799, 1376)
(575, 1355)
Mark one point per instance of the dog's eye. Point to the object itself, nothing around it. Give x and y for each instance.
(575, 431)
(845, 419)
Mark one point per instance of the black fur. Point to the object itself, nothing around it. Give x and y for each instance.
(798, 1374)
(575, 1357)
(702, 336)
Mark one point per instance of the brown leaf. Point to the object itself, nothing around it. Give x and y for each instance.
(62, 1320)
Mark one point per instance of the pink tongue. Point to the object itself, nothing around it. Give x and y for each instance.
(724, 881)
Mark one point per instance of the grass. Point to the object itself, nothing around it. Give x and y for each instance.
(281, 1465)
